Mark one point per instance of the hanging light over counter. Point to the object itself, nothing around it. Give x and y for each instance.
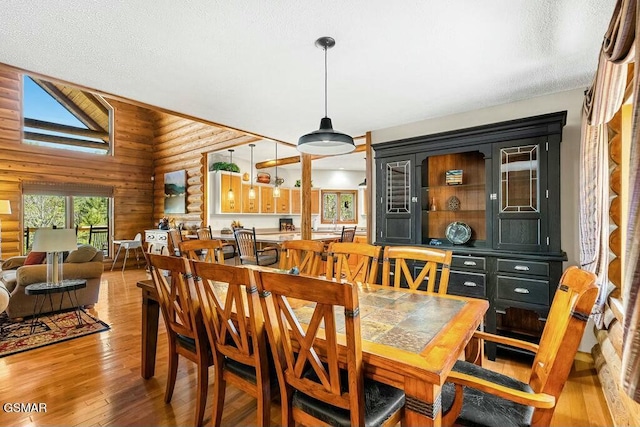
(230, 192)
(252, 191)
(276, 186)
(325, 141)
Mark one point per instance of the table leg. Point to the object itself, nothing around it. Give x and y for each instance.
(150, 318)
(423, 404)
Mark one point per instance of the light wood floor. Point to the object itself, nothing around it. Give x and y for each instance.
(95, 380)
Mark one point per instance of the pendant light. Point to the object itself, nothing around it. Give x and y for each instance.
(252, 191)
(276, 187)
(325, 141)
(230, 192)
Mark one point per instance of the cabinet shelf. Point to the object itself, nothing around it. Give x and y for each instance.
(461, 211)
(462, 187)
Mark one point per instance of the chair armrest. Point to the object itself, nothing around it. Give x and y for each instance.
(268, 248)
(537, 400)
(525, 345)
(13, 262)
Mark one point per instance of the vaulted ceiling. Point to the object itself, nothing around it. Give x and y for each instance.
(252, 65)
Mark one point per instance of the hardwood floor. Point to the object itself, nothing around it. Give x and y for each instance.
(95, 380)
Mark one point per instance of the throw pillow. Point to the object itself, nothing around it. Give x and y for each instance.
(35, 258)
(84, 253)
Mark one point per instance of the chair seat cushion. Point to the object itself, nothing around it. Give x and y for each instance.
(380, 401)
(484, 409)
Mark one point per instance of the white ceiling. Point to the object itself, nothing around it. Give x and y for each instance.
(252, 64)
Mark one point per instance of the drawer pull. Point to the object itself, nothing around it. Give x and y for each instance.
(470, 284)
(151, 237)
(521, 267)
(472, 263)
(521, 290)
(164, 237)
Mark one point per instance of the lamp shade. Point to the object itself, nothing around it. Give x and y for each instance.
(326, 141)
(54, 240)
(5, 207)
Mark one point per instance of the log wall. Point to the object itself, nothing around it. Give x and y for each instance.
(181, 143)
(129, 170)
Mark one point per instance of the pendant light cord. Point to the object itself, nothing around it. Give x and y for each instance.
(325, 81)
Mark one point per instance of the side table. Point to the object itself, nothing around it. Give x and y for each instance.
(66, 287)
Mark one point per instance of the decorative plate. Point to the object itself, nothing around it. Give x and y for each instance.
(458, 233)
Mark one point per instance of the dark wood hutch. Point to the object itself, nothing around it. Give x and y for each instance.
(500, 181)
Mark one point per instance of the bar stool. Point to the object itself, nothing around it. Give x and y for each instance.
(135, 244)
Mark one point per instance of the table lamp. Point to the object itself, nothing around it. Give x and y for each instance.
(54, 241)
(5, 209)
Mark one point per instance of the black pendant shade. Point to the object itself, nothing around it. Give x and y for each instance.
(325, 141)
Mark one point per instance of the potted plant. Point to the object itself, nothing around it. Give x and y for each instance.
(224, 166)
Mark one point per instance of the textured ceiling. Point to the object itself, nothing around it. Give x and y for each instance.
(252, 64)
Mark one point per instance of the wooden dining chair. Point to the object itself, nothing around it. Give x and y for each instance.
(306, 255)
(174, 237)
(396, 262)
(204, 233)
(235, 327)
(321, 380)
(364, 268)
(186, 333)
(348, 234)
(202, 250)
(476, 396)
(248, 249)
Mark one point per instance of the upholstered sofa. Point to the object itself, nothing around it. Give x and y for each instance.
(84, 263)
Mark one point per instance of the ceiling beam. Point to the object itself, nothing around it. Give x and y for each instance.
(296, 159)
(55, 127)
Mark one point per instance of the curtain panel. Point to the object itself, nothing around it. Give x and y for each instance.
(631, 276)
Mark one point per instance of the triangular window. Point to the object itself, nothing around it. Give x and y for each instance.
(59, 116)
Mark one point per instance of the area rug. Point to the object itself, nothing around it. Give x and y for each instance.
(16, 337)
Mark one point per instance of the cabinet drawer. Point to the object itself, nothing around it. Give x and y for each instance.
(523, 290)
(474, 262)
(523, 267)
(467, 284)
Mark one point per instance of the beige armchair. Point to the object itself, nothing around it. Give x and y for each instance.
(84, 263)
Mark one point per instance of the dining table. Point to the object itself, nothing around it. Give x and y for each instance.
(410, 340)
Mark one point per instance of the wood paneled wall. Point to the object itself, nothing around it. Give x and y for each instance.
(129, 170)
(180, 144)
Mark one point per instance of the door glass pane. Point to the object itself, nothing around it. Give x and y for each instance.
(347, 207)
(87, 212)
(398, 179)
(329, 202)
(42, 211)
(519, 168)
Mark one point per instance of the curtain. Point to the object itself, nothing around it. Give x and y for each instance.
(631, 275)
(602, 100)
(594, 212)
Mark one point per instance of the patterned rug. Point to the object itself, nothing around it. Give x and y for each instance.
(16, 337)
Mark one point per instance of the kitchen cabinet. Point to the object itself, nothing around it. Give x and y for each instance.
(498, 185)
(296, 201)
(267, 202)
(283, 203)
(228, 204)
(250, 205)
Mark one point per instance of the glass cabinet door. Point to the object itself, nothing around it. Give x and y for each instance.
(519, 201)
(395, 213)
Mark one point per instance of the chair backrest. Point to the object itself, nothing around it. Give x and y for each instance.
(304, 254)
(348, 233)
(246, 244)
(99, 237)
(568, 315)
(364, 269)
(432, 258)
(232, 314)
(294, 348)
(177, 296)
(174, 237)
(204, 233)
(202, 250)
